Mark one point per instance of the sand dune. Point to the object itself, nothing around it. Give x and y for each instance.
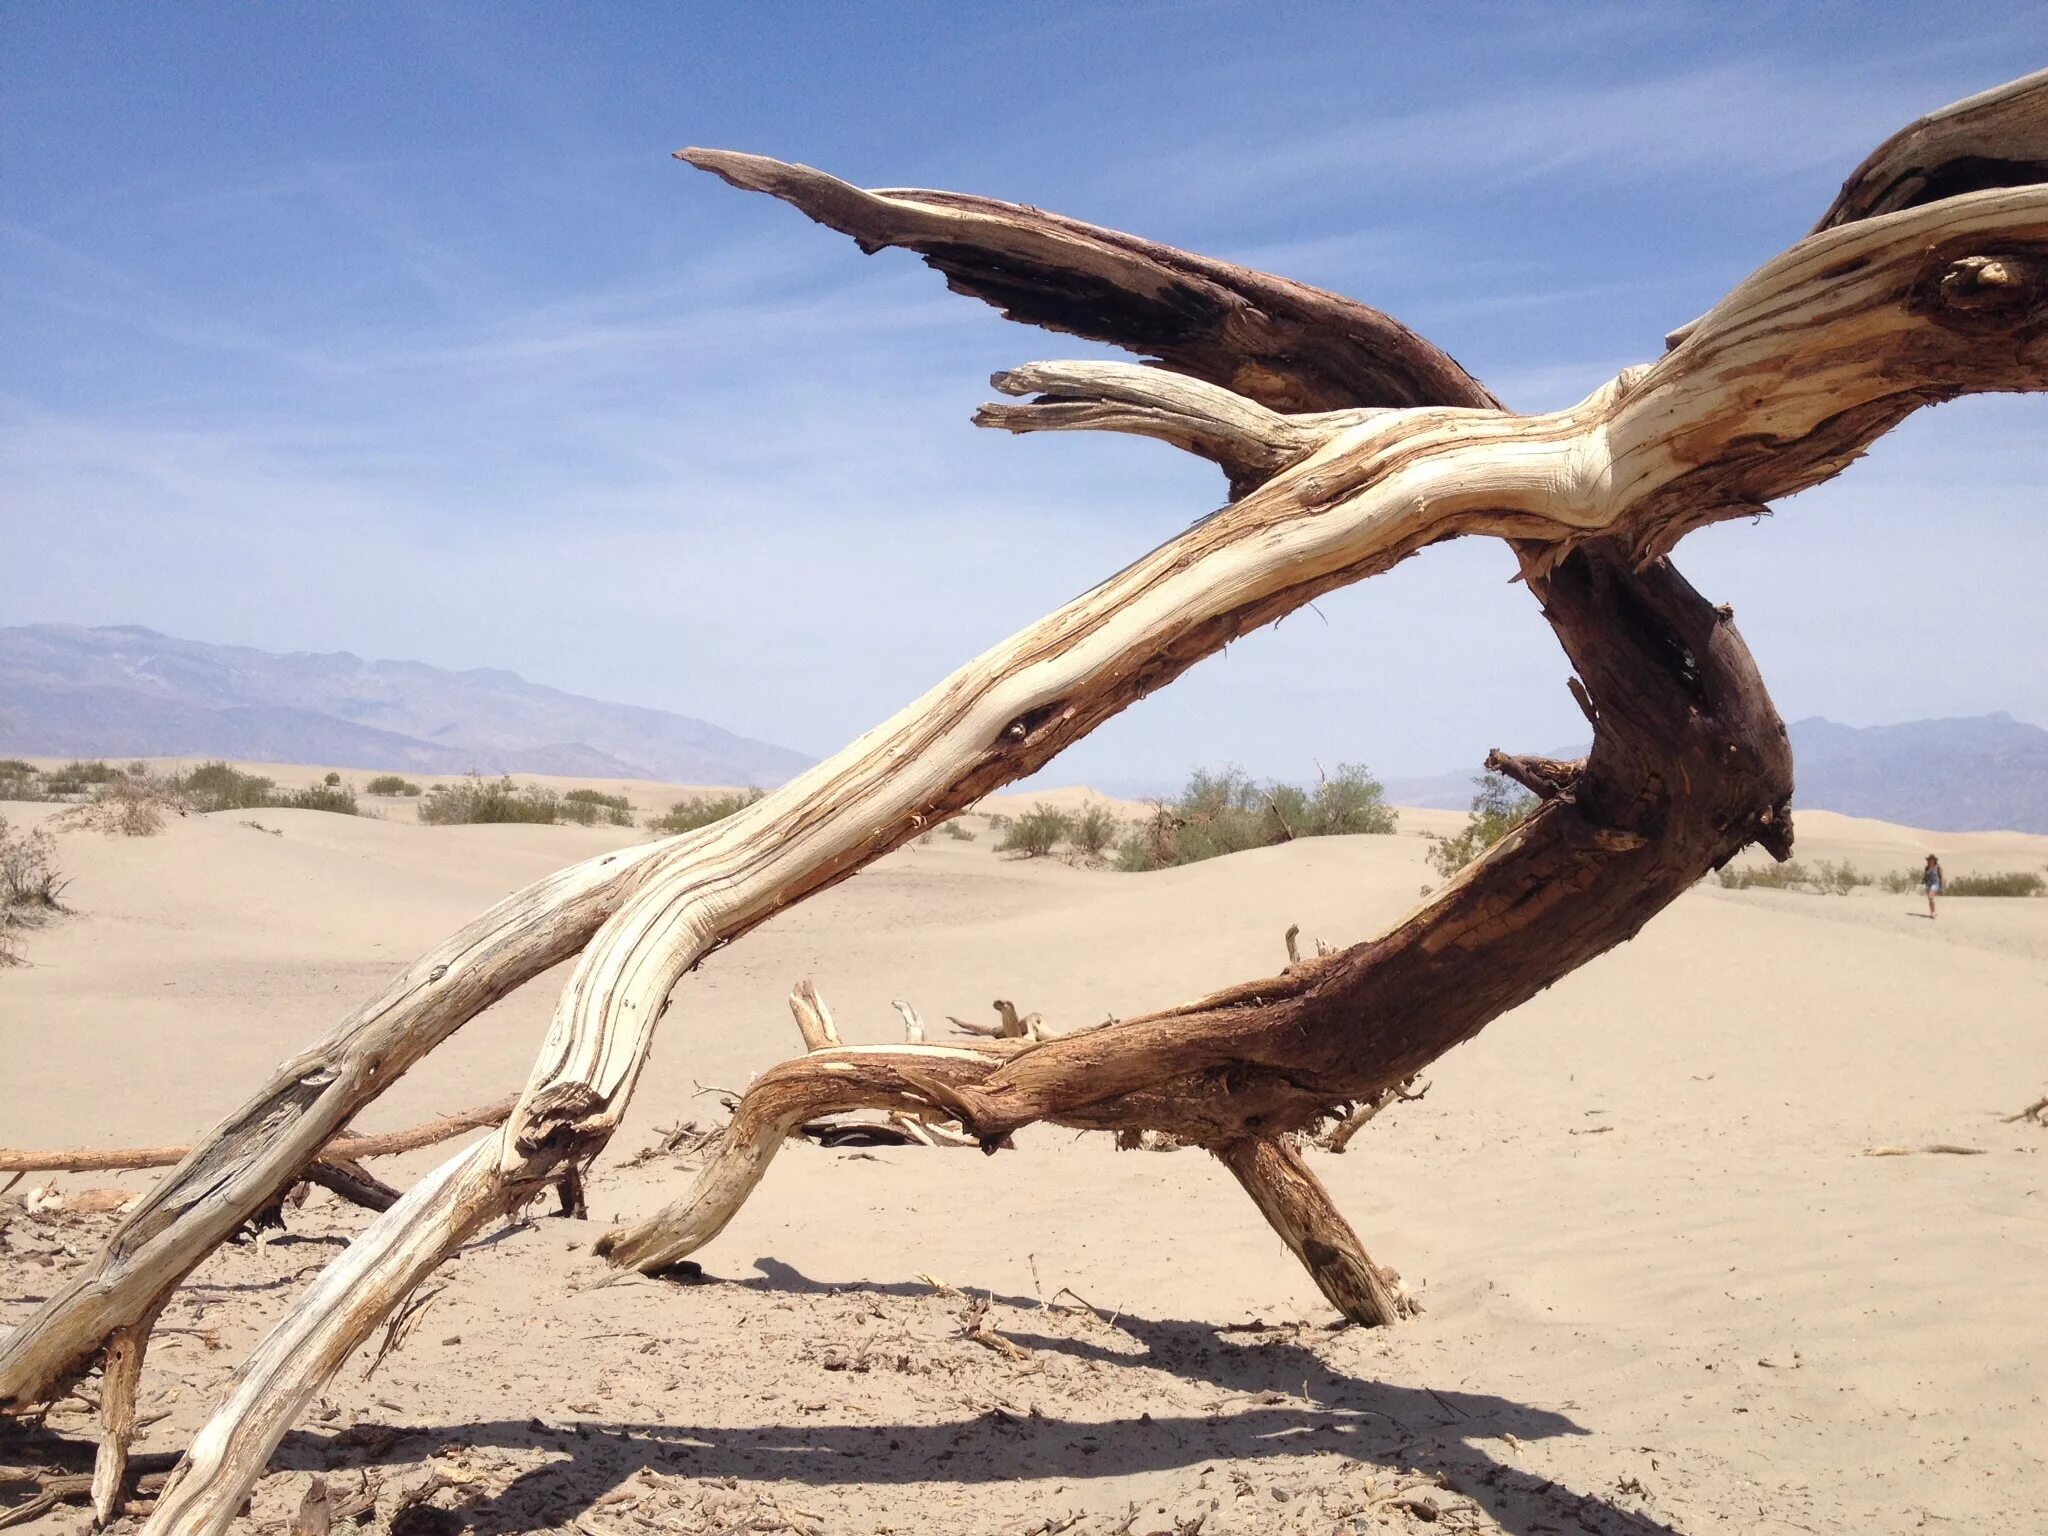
(1636, 1208)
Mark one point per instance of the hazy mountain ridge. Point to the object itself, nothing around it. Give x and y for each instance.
(122, 690)
(1978, 773)
(1983, 773)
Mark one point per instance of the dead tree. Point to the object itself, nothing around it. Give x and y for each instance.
(1349, 443)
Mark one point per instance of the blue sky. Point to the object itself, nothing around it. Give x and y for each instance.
(396, 330)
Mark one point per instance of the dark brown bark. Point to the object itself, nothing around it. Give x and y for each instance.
(1996, 139)
(1294, 1201)
(1689, 765)
(1282, 343)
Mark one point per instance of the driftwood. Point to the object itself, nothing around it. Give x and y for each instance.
(342, 1149)
(1349, 443)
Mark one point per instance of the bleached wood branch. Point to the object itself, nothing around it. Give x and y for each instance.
(347, 1149)
(894, 1078)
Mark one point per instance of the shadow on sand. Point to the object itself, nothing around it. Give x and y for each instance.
(1278, 1402)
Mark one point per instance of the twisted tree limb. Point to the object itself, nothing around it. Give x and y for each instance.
(1777, 388)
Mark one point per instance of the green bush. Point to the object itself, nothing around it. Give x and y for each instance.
(959, 831)
(2008, 882)
(220, 787)
(588, 807)
(390, 784)
(1788, 876)
(1822, 879)
(1838, 879)
(1497, 809)
(1037, 832)
(694, 811)
(20, 781)
(320, 797)
(332, 779)
(480, 801)
(223, 787)
(1093, 830)
(75, 778)
(1228, 812)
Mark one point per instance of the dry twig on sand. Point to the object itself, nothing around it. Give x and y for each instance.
(2037, 1112)
(1936, 1148)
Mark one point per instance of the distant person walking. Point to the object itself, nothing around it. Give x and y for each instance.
(1930, 882)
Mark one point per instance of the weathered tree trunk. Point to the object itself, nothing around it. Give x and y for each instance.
(1315, 1231)
(1350, 443)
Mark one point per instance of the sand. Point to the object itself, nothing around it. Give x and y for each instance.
(1665, 1289)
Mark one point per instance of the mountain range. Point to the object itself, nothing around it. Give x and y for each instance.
(131, 692)
(1980, 773)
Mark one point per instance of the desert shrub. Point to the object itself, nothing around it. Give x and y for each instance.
(959, 831)
(1497, 809)
(28, 874)
(1093, 830)
(20, 781)
(477, 800)
(94, 772)
(1228, 812)
(29, 886)
(331, 779)
(1838, 879)
(1823, 879)
(320, 797)
(1347, 803)
(221, 787)
(588, 807)
(1036, 832)
(390, 784)
(129, 807)
(1152, 844)
(2006, 882)
(694, 811)
(1788, 876)
(1899, 881)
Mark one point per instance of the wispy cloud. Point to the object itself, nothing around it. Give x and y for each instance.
(500, 385)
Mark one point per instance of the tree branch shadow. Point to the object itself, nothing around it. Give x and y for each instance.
(1279, 1403)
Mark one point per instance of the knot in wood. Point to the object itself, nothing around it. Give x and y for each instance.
(1982, 282)
(558, 1117)
(1991, 290)
(1032, 721)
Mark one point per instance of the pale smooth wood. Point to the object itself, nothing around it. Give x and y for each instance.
(349, 1149)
